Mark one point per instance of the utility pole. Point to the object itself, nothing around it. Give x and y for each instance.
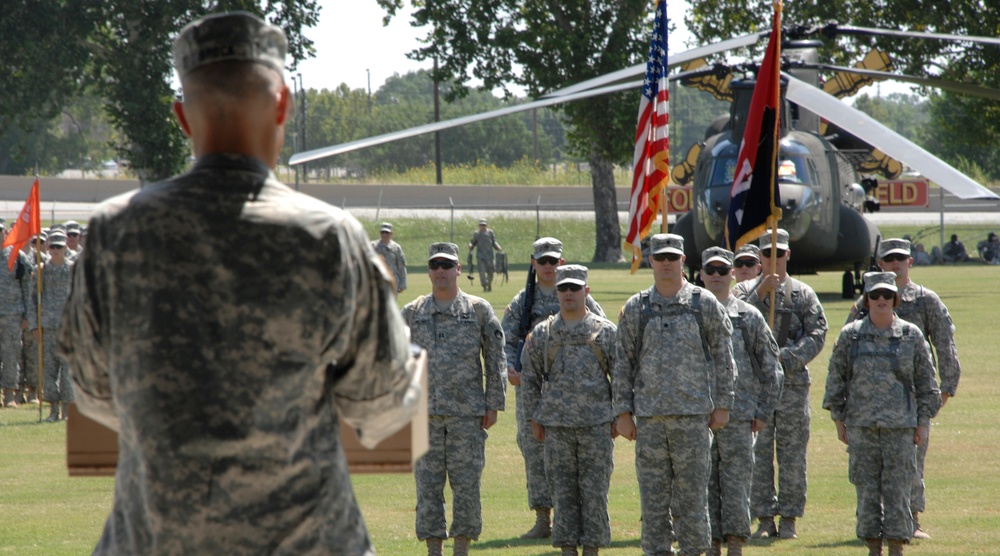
(302, 126)
(369, 72)
(437, 134)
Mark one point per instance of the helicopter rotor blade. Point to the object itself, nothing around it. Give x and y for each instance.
(953, 86)
(833, 29)
(884, 139)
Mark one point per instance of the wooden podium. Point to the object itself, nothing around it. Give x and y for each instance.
(92, 448)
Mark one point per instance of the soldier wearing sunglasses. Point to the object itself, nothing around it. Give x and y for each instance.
(881, 393)
(800, 330)
(923, 308)
(674, 374)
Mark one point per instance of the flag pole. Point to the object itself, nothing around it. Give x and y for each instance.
(773, 224)
(39, 339)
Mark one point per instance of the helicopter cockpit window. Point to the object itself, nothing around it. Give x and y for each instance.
(723, 171)
(793, 170)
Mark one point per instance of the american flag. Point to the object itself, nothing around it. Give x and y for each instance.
(651, 161)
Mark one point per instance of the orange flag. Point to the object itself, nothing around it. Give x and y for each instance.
(28, 225)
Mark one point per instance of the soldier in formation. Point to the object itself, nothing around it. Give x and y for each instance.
(923, 308)
(881, 394)
(57, 276)
(746, 262)
(485, 241)
(521, 315)
(567, 397)
(674, 374)
(758, 383)
(392, 253)
(14, 300)
(799, 327)
(464, 342)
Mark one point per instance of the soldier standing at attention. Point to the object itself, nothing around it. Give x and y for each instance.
(227, 370)
(746, 263)
(545, 259)
(464, 342)
(567, 397)
(14, 299)
(881, 394)
(73, 246)
(674, 372)
(758, 383)
(923, 308)
(393, 255)
(800, 330)
(57, 276)
(485, 242)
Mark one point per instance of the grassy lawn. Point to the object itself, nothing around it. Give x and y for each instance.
(43, 512)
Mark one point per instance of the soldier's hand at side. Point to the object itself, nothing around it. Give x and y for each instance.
(757, 425)
(513, 376)
(538, 431)
(24, 323)
(944, 398)
(841, 431)
(35, 332)
(625, 426)
(719, 419)
(920, 435)
(614, 430)
(489, 419)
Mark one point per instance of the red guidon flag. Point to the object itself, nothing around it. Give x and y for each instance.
(28, 225)
(754, 199)
(651, 161)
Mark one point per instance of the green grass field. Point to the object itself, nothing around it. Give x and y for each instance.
(44, 512)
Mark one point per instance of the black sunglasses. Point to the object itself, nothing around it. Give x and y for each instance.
(56, 246)
(436, 265)
(548, 261)
(777, 253)
(666, 257)
(881, 294)
(72, 234)
(894, 257)
(569, 287)
(745, 262)
(720, 270)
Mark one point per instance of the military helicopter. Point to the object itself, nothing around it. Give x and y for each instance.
(819, 183)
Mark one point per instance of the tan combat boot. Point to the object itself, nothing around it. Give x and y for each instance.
(590, 551)
(874, 547)
(461, 547)
(788, 528)
(734, 545)
(896, 547)
(435, 546)
(766, 529)
(9, 398)
(716, 549)
(918, 531)
(543, 525)
(568, 551)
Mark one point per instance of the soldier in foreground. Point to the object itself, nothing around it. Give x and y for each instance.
(521, 315)
(758, 383)
(881, 394)
(800, 330)
(923, 308)
(225, 370)
(485, 241)
(465, 345)
(674, 373)
(567, 397)
(393, 255)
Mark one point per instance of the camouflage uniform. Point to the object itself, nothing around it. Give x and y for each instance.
(758, 384)
(56, 281)
(786, 433)
(485, 243)
(881, 385)
(230, 366)
(671, 376)
(394, 259)
(565, 388)
(29, 346)
(455, 340)
(532, 450)
(14, 296)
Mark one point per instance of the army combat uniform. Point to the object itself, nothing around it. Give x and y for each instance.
(394, 259)
(56, 282)
(485, 243)
(673, 367)
(456, 337)
(14, 299)
(565, 387)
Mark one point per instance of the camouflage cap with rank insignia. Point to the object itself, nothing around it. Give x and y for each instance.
(666, 243)
(386, 227)
(571, 274)
(893, 245)
(765, 240)
(443, 250)
(57, 237)
(547, 247)
(748, 250)
(717, 254)
(880, 281)
(225, 37)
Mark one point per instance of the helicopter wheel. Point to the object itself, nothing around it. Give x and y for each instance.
(847, 285)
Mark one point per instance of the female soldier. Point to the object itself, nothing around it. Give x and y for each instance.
(881, 393)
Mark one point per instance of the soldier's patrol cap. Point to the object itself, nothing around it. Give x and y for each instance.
(666, 243)
(880, 281)
(893, 245)
(765, 240)
(482, 221)
(57, 237)
(571, 274)
(717, 254)
(546, 247)
(748, 250)
(386, 227)
(443, 250)
(72, 226)
(231, 36)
